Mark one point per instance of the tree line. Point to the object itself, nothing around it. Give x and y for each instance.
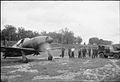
(97, 41)
(64, 36)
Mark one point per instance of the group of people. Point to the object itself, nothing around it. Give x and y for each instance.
(88, 52)
(82, 52)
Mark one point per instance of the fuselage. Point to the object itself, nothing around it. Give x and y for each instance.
(39, 44)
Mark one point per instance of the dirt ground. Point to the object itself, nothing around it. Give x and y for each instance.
(39, 69)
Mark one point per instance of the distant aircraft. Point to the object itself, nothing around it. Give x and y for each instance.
(28, 46)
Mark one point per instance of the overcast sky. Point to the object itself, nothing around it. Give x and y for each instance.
(85, 18)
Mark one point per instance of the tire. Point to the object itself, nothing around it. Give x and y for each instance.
(25, 61)
(50, 57)
(116, 56)
(105, 56)
(101, 55)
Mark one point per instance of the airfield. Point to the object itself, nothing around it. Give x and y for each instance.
(66, 69)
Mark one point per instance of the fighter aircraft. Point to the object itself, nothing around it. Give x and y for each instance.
(28, 46)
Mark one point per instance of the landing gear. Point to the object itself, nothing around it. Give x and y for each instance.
(50, 57)
(116, 56)
(36, 53)
(24, 59)
(105, 56)
(101, 55)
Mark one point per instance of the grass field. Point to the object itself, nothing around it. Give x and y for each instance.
(39, 69)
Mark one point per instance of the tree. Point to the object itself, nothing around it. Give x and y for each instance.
(35, 34)
(67, 36)
(21, 33)
(59, 37)
(54, 35)
(93, 40)
(63, 36)
(43, 33)
(78, 40)
(29, 33)
(9, 32)
(98, 41)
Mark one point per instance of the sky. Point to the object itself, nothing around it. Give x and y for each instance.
(85, 18)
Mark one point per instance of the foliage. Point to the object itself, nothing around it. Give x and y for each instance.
(9, 32)
(95, 40)
(78, 40)
(67, 36)
(64, 36)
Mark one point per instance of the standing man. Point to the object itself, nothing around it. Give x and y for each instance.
(63, 51)
(72, 52)
(96, 52)
(84, 51)
(89, 52)
(80, 53)
(69, 52)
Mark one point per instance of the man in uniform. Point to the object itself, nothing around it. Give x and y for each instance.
(89, 52)
(95, 52)
(93, 55)
(63, 51)
(84, 51)
(72, 52)
(69, 52)
(80, 53)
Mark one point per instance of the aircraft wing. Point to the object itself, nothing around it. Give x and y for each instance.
(4, 49)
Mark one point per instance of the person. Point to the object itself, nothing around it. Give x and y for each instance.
(72, 52)
(94, 53)
(89, 52)
(63, 51)
(84, 51)
(80, 53)
(69, 52)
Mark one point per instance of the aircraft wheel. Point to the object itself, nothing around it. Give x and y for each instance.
(116, 56)
(101, 55)
(50, 57)
(25, 61)
(105, 56)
